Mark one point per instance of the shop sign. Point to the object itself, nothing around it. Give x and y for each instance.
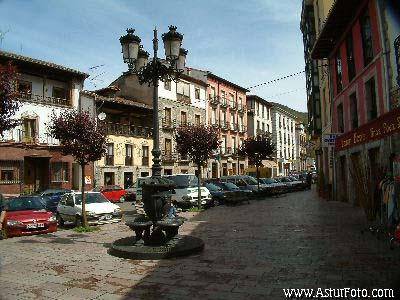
(383, 126)
(88, 180)
(328, 139)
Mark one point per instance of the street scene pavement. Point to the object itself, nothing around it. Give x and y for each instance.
(252, 251)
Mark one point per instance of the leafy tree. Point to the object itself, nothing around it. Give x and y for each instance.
(8, 97)
(257, 149)
(198, 143)
(83, 138)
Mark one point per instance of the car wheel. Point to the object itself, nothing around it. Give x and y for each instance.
(60, 220)
(122, 199)
(78, 221)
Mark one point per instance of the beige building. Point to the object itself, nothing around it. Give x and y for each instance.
(129, 138)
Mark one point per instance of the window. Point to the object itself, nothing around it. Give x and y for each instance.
(340, 118)
(167, 115)
(128, 155)
(29, 130)
(234, 144)
(167, 85)
(183, 90)
(197, 93)
(353, 111)
(183, 118)
(262, 110)
(59, 172)
(351, 67)
(145, 155)
(214, 116)
(232, 100)
(267, 127)
(212, 95)
(109, 178)
(197, 119)
(168, 147)
(263, 127)
(258, 125)
(25, 89)
(370, 95)
(110, 155)
(339, 83)
(366, 35)
(59, 92)
(7, 176)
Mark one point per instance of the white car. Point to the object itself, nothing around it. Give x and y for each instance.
(186, 192)
(98, 209)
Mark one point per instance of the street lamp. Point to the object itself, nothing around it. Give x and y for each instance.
(150, 72)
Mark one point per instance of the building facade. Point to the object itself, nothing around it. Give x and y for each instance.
(129, 138)
(30, 159)
(227, 111)
(353, 45)
(302, 161)
(284, 137)
(258, 116)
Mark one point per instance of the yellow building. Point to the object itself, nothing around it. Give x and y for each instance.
(129, 139)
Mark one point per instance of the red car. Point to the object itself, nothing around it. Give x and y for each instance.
(27, 215)
(113, 193)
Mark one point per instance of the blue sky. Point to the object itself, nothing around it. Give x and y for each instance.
(247, 42)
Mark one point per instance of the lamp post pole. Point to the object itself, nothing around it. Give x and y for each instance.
(156, 167)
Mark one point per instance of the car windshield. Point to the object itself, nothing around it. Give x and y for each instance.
(91, 198)
(25, 203)
(231, 186)
(293, 178)
(250, 180)
(269, 180)
(184, 181)
(212, 187)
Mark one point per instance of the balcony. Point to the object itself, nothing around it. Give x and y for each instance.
(167, 156)
(214, 123)
(242, 129)
(214, 101)
(167, 123)
(184, 123)
(223, 103)
(233, 105)
(224, 125)
(44, 99)
(183, 98)
(241, 108)
(145, 161)
(234, 127)
(128, 161)
(109, 160)
(226, 151)
(127, 130)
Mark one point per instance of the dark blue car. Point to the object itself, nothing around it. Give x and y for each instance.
(52, 197)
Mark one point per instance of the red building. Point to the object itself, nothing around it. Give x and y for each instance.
(351, 40)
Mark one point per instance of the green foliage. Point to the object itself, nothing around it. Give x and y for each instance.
(83, 229)
(196, 209)
(8, 97)
(257, 149)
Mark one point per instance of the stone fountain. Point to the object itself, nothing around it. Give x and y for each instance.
(156, 235)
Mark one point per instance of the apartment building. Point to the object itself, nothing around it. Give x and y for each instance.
(258, 116)
(129, 138)
(30, 159)
(284, 137)
(302, 159)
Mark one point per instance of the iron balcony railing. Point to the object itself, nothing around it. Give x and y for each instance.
(234, 127)
(213, 100)
(168, 156)
(128, 130)
(44, 99)
(241, 108)
(214, 123)
(233, 105)
(167, 123)
(224, 125)
(242, 128)
(223, 102)
(109, 160)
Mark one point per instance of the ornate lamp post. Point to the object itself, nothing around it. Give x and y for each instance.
(150, 72)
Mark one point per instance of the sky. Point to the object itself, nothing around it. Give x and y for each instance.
(244, 41)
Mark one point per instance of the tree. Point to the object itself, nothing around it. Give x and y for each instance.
(198, 142)
(8, 97)
(83, 138)
(257, 149)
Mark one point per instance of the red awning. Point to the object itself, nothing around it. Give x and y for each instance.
(383, 126)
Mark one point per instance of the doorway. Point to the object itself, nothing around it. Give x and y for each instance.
(36, 173)
(128, 179)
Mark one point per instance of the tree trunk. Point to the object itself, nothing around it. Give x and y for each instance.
(199, 186)
(258, 179)
(84, 219)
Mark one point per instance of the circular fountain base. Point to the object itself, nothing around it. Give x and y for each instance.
(180, 245)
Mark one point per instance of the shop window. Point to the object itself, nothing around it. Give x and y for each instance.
(339, 77)
(370, 95)
(59, 172)
(366, 35)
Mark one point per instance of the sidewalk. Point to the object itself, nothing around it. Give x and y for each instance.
(252, 252)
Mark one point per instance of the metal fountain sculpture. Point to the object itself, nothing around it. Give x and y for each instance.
(156, 236)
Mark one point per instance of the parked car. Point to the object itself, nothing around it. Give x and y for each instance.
(186, 193)
(277, 188)
(113, 193)
(290, 183)
(52, 197)
(233, 193)
(245, 182)
(137, 187)
(27, 215)
(99, 210)
(298, 183)
(217, 193)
